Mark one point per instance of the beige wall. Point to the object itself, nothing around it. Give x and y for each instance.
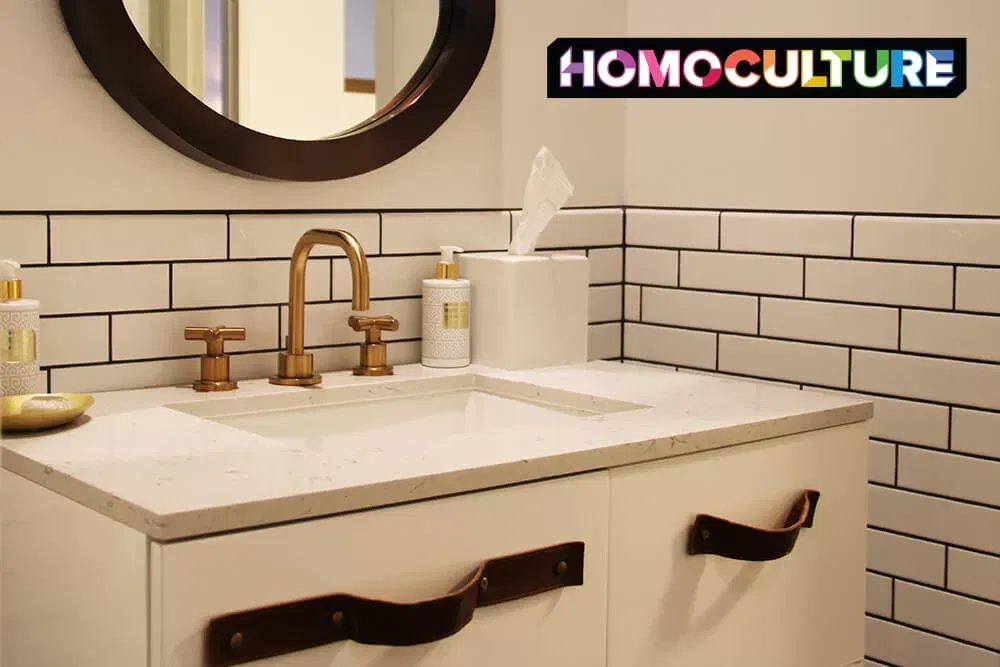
(67, 146)
(931, 156)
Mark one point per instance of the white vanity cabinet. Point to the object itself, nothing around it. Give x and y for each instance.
(805, 609)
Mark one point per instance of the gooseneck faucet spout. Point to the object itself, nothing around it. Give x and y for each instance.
(295, 366)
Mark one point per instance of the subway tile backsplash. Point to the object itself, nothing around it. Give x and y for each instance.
(117, 290)
(903, 311)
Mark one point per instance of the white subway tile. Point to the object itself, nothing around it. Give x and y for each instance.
(672, 229)
(274, 235)
(605, 265)
(781, 360)
(114, 377)
(906, 647)
(426, 232)
(939, 519)
(579, 228)
(879, 282)
(25, 238)
(905, 557)
(906, 421)
(951, 334)
(391, 277)
(152, 335)
(604, 341)
(670, 346)
(950, 475)
(787, 233)
(632, 304)
(702, 310)
(944, 380)
(881, 462)
(245, 283)
(97, 289)
(846, 324)
(73, 340)
(651, 267)
(878, 594)
(978, 290)
(605, 303)
(975, 432)
(974, 574)
(326, 323)
(954, 240)
(952, 615)
(757, 274)
(117, 238)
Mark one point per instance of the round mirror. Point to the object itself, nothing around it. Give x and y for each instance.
(286, 89)
(299, 69)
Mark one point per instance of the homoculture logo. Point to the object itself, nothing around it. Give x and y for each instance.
(761, 67)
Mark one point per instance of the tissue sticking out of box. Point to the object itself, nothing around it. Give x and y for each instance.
(547, 190)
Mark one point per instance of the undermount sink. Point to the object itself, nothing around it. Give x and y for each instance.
(427, 407)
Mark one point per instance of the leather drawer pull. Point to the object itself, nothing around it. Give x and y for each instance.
(285, 628)
(712, 535)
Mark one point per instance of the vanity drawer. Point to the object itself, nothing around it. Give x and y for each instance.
(403, 554)
(803, 609)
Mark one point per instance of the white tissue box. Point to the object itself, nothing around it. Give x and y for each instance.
(527, 311)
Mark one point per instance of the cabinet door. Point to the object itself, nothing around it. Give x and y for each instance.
(403, 554)
(806, 608)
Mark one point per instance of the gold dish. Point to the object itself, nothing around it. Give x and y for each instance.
(13, 419)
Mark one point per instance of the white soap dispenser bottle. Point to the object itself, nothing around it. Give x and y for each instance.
(446, 302)
(19, 320)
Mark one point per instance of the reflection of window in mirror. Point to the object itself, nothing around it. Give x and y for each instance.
(359, 47)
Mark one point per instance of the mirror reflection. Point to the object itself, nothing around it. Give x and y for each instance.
(298, 69)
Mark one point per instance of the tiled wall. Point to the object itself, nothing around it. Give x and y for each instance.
(903, 310)
(118, 290)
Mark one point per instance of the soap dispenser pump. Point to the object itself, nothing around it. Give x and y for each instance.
(446, 301)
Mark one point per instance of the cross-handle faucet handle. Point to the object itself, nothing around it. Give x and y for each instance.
(215, 337)
(373, 326)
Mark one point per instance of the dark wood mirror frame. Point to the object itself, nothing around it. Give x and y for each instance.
(121, 61)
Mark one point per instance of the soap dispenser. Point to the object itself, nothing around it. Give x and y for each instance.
(19, 320)
(446, 301)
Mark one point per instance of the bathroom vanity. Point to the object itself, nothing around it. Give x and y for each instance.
(601, 514)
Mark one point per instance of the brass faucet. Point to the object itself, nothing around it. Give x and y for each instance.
(295, 365)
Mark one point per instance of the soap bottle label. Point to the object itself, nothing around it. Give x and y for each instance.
(17, 345)
(455, 315)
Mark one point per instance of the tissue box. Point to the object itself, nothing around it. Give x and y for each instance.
(527, 311)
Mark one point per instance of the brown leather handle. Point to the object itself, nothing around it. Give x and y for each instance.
(713, 535)
(285, 628)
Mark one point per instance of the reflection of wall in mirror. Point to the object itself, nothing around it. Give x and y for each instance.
(404, 30)
(138, 11)
(291, 69)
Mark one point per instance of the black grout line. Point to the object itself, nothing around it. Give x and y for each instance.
(932, 540)
(170, 286)
(804, 265)
(934, 633)
(678, 282)
(850, 367)
(111, 331)
(880, 663)
(947, 549)
(895, 466)
(381, 234)
(279, 327)
(759, 315)
(877, 214)
(899, 330)
(621, 341)
(938, 450)
(937, 496)
(48, 381)
(892, 598)
(924, 584)
(850, 347)
(641, 290)
(331, 278)
(950, 422)
(717, 338)
(229, 236)
(853, 220)
(718, 238)
(954, 287)
(48, 239)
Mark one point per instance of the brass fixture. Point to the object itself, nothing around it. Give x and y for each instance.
(215, 363)
(295, 365)
(373, 357)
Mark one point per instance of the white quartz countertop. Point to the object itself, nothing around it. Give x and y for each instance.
(172, 475)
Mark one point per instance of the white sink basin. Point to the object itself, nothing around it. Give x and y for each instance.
(442, 406)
